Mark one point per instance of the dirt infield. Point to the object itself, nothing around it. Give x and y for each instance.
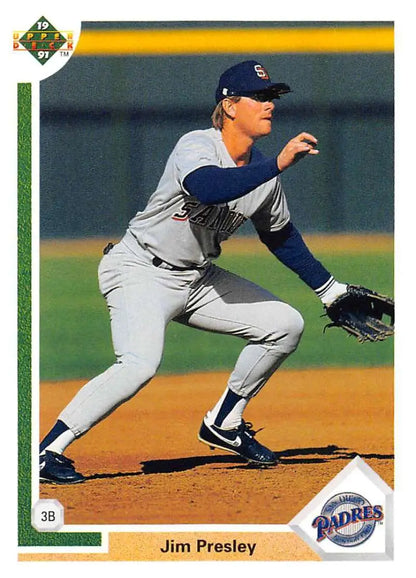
(144, 464)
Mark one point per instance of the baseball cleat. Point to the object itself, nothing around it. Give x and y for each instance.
(239, 441)
(58, 469)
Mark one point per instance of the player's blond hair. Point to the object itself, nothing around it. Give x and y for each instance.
(219, 113)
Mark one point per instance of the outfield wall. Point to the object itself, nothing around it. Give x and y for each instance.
(111, 116)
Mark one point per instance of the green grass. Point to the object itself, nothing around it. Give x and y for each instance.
(75, 339)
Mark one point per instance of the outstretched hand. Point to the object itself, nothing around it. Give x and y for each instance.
(301, 145)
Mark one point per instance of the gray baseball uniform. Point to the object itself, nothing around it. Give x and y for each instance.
(162, 270)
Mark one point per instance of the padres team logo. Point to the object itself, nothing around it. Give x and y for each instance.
(43, 40)
(347, 519)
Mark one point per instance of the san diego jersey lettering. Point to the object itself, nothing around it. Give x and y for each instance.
(218, 218)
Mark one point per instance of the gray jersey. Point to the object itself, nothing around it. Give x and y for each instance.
(179, 229)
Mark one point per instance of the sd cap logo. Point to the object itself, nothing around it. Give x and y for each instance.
(261, 72)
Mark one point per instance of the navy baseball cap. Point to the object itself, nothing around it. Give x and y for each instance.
(246, 79)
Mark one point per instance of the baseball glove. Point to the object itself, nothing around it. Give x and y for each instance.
(360, 312)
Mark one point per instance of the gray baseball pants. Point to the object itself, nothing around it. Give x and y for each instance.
(142, 299)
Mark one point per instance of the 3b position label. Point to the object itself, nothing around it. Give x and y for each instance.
(48, 516)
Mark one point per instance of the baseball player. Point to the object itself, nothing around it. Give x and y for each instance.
(162, 270)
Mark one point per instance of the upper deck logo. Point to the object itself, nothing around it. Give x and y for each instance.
(43, 40)
(347, 519)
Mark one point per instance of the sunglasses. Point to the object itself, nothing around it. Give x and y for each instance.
(261, 97)
(274, 93)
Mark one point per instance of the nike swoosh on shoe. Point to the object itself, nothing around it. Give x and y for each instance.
(236, 442)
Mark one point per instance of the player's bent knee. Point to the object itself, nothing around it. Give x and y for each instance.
(136, 373)
(288, 330)
(297, 324)
(296, 328)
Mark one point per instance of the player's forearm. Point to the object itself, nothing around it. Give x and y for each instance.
(212, 185)
(289, 247)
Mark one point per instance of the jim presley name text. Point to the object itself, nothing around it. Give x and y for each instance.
(201, 545)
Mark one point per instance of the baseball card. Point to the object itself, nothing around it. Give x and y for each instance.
(205, 230)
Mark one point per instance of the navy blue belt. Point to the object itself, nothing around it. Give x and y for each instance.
(158, 262)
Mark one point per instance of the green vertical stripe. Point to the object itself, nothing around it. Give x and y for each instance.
(28, 536)
(24, 167)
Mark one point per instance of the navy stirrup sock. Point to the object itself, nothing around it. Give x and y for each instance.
(59, 428)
